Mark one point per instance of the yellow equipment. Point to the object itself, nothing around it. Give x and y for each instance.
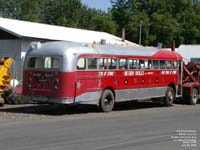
(5, 76)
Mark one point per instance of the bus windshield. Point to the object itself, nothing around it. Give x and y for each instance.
(44, 62)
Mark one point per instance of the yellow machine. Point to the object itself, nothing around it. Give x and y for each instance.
(5, 76)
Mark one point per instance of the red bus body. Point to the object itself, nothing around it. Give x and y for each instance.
(76, 73)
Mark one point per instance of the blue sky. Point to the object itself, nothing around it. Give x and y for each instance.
(98, 4)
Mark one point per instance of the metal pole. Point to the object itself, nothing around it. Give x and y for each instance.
(140, 36)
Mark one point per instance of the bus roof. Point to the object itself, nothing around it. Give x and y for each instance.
(64, 48)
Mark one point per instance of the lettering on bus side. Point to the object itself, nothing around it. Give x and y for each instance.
(133, 73)
(168, 72)
(106, 73)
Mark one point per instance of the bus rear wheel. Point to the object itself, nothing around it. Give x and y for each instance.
(194, 97)
(169, 97)
(107, 101)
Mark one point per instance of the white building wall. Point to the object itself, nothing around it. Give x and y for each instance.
(14, 49)
(189, 51)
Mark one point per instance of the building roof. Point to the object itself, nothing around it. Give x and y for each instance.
(189, 51)
(25, 29)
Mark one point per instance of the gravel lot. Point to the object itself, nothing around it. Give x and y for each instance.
(11, 113)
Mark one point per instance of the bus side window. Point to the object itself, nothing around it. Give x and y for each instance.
(162, 64)
(141, 64)
(32, 62)
(47, 62)
(113, 63)
(169, 65)
(102, 63)
(92, 63)
(39, 63)
(81, 64)
(175, 64)
(132, 64)
(155, 64)
(123, 64)
(149, 64)
(55, 63)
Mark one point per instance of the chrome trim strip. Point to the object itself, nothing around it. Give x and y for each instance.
(140, 93)
(49, 100)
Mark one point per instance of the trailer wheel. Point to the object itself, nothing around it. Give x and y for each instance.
(169, 97)
(107, 101)
(194, 97)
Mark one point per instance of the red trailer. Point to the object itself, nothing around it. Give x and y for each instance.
(191, 82)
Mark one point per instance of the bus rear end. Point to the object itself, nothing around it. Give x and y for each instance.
(45, 81)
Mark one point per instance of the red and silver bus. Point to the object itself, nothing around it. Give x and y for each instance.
(74, 73)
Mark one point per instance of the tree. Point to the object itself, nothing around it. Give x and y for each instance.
(104, 23)
(85, 17)
(121, 13)
(20, 9)
(61, 12)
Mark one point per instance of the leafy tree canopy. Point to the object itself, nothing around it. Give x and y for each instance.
(157, 21)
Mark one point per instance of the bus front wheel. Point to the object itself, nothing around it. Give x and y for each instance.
(169, 97)
(107, 101)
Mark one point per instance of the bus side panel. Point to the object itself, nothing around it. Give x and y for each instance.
(141, 84)
(88, 89)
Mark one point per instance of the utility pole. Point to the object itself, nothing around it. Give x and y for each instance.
(140, 36)
(123, 34)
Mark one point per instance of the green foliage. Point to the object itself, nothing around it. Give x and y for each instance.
(61, 12)
(104, 23)
(20, 9)
(158, 21)
(162, 21)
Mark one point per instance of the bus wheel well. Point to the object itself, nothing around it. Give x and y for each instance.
(173, 86)
(111, 89)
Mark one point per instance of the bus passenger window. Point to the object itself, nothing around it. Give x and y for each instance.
(169, 65)
(113, 64)
(132, 64)
(101, 63)
(175, 64)
(155, 64)
(123, 64)
(141, 64)
(92, 63)
(39, 63)
(47, 62)
(32, 62)
(51, 62)
(81, 65)
(55, 63)
(147, 64)
(162, 64)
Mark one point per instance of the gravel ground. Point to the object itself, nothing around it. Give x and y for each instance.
(11, 113)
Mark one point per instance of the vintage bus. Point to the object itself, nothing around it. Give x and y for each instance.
(74, 73)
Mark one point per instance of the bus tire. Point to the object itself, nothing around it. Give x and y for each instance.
(169, 97)
(107, 101)
(194, 97)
